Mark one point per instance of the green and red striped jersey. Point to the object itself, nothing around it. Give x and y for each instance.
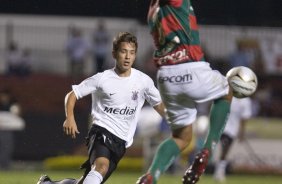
(174, 28)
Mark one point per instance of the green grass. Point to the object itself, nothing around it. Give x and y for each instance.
(31, 177)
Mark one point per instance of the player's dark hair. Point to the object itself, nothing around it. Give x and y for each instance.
(124, 37)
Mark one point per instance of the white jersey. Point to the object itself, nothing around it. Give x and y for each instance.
(240, 109)
(117, 101)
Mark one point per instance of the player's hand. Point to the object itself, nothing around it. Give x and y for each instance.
(70, 128)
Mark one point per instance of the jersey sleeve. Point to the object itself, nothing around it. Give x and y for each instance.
(87, 86)
(152, 94)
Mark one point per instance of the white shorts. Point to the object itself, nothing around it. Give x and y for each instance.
(183, 85)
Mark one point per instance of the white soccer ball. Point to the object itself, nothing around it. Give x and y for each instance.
(243, 81)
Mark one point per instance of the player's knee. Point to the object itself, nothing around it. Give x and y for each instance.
(183, 137)
(102, 168)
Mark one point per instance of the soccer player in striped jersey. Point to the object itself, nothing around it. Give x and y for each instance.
(118, 95)
(184, 78)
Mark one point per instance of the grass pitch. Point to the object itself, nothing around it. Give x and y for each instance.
(31, 177)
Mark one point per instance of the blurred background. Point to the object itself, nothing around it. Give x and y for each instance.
(43, 42)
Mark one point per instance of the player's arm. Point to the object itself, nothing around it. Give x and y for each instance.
(160, 108)
(69, 126)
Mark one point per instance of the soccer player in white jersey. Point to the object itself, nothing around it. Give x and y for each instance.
(240, 112)
(118, 95)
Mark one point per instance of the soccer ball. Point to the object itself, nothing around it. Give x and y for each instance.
(243, 81)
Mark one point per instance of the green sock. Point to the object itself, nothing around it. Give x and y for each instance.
(166, 154)
(218, 117)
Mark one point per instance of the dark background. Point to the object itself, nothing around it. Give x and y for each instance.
(219, 12)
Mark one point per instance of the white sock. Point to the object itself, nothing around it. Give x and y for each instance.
(93, 177)
(220, 170)
(222, 165)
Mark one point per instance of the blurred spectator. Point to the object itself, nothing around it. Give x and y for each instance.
(77, 48)
(13, 59)
(271, 48)
(18, 61)
(242, 56)
(9, 122)
(25, 62)
(100, 46)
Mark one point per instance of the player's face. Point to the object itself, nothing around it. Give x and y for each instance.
(125, 57)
